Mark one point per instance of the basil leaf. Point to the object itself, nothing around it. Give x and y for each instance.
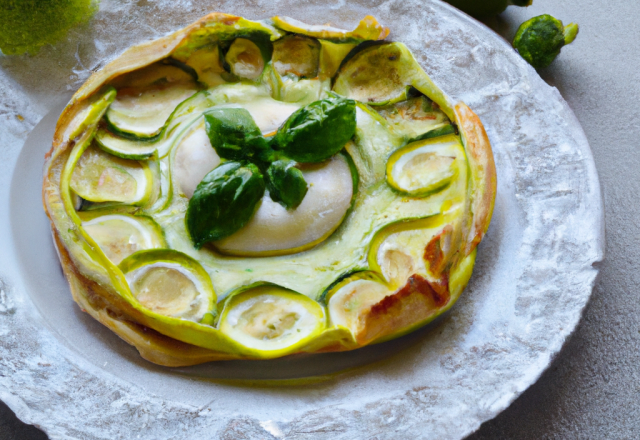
(317, 131)
(286, 183)
(224, 202)
(235, 135)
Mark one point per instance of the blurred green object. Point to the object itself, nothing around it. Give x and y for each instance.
(27, 25)
(540, 39)
(482, 8)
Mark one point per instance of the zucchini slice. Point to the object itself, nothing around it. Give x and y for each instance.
(171, 284)
(92, 114)
(271, 320)
(124, 148)
(424, 167)
(297, 55)
(352, 298)
(101, 177)
(120, 235)
(181, 118)
(416, 118)
(164, 185)
(397, 250)
(143, 113)
(388, 82)
(245, 59)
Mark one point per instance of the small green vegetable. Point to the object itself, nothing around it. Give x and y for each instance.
(27, 25)
(235, 135)
(540, 39)
(317, 131)
(481, 8)
(224, 201)
(286, 183)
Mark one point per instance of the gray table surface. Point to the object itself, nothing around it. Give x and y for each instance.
(592, 389)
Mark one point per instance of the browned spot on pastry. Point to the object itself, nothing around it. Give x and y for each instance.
(230, 21)
(438, 251)
(415, 302)
(439, 255)
(415, 284)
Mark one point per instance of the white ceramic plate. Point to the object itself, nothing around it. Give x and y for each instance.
(64, 372)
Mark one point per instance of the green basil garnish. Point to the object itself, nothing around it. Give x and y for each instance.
(317, 131)
(227, 197)
(224, 202)
(235, 136)
(286, 183)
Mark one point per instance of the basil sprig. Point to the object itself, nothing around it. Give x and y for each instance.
(286, 183)
(227, 197)
(317, 131)
(235, 135)
(224, 201)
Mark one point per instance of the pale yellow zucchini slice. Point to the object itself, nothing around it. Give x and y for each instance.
(352, 298)
(424, 167)
(271, 320)
(416, 118)
(120, 235)
(170, 283)
(297, 55)
(245, 59)
(143, 113)
(386, 83)
(101, 177)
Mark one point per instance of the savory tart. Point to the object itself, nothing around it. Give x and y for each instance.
(253, 189)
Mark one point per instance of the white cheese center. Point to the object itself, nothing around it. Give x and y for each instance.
(274, 228)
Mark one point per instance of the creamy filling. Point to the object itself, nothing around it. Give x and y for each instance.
(195, 157)
(274, 228)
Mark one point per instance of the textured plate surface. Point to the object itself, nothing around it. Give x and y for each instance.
(65, 373)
